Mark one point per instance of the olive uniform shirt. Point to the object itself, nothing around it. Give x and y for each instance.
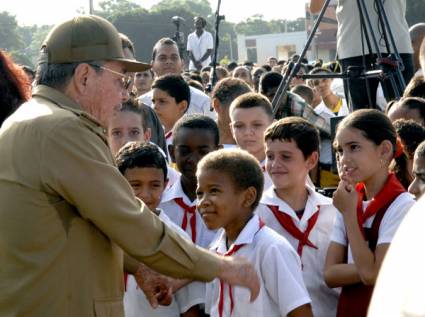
(67, 214)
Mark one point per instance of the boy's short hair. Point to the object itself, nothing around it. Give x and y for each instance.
(420, 151)
(252, 100)
(175, 86)
(410, 133)
(269, 81)
(196, 121)
(303, 133)
(242, 168)
(162, 41)
(140, 155)
(228, 89)
(304, 92)
(415, 88)
(134, 105)
(413, 103)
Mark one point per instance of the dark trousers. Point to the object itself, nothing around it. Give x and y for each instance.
(357, 87)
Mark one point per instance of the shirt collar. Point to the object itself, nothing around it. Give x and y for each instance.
(176, 191)
(246, 236)
(314, 199)
(64, 102)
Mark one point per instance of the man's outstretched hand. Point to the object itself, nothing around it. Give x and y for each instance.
(156, 287)
(238, 271)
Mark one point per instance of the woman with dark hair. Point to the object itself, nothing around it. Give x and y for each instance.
(15, 87)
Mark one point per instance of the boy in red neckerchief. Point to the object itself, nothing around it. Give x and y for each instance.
(294, 210)
(372, 204)
(230, 183)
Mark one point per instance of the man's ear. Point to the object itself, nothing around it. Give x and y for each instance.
(171, 152)
(82, 76)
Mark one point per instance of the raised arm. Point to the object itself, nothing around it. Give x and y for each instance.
(316, 5)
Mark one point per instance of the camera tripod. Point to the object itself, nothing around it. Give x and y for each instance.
(388, 67)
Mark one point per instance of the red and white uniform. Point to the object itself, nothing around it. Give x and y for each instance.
(310, 236)
(182, 212)
(136, 304)
(279, 268)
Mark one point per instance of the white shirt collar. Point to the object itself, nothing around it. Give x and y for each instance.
(246, 236)
(314, 199)
(176, 191)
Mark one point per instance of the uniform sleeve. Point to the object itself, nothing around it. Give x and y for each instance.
(77, 165)
(393, 217)
(339, 234)
(281, 271)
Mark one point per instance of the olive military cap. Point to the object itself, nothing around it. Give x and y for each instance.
(86, 38)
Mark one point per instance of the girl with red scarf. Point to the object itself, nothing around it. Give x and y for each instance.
(372, 203)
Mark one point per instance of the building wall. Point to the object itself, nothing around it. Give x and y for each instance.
(280, 45)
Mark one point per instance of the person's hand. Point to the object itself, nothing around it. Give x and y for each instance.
(239, 271)
(198, 65)
(345, 196)
(157, 288)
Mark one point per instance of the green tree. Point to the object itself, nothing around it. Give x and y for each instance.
(113, 8)
(196, 7)
(10, 38)
(415, 11)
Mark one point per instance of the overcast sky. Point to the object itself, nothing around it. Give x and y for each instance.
(53, 11)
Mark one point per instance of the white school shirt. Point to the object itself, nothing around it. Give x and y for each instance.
(401, 282)
(199, 102)
(176, 213)
(324, 299)
(325, 143)
(278, 266)
(136, 304)
(389, 224)
(199, 45)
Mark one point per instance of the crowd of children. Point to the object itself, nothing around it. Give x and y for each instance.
(239, 182)
(238, 179)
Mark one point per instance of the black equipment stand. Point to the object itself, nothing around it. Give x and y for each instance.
(213, 75)
(386, 68)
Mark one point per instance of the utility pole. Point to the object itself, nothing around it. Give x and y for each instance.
(91, 11)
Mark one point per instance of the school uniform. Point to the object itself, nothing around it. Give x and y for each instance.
(136, 304)
(278, 266)
(310, 236)
(182, 212)
(391, 205)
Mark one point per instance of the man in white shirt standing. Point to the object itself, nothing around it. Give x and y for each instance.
(199, 45)
(166, 60)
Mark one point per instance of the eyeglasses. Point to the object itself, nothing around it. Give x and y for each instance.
(125, 79)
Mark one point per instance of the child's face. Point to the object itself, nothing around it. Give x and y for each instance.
(123, 127)
(167, 109)
(417, 187)
(147, 183)
(357, 156)
(248, 126)
(190, 147)
(286, 164)
(219, 202)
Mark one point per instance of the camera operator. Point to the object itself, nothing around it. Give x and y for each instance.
(199, 45)
(353, 50)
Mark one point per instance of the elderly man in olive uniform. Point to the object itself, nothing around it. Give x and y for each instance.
(66, 214)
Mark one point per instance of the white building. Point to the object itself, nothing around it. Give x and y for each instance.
(258, 48)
